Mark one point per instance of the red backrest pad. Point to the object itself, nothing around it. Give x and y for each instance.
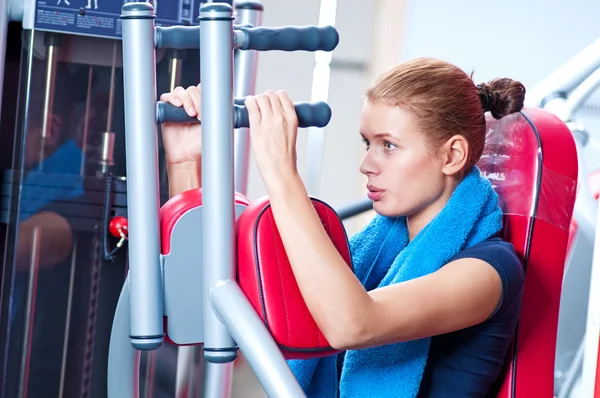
(266, 277)
(531, 160)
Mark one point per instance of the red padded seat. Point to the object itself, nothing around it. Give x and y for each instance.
(531, 160)
(266, 277)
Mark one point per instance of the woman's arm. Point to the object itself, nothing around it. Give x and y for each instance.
(54, 236)
(457, 296)
(184, 176)
(461, 294)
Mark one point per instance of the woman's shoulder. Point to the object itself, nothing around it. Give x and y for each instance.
(492, 247)
(497, 252)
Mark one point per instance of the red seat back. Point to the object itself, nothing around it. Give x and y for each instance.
(266, 277)
(531, 159)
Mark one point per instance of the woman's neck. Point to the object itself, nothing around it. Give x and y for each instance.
(417, 221)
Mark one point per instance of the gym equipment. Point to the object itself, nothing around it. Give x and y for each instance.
(66, 161)
(531, 161)
(537, 192)
(164, 285)
(564, 93)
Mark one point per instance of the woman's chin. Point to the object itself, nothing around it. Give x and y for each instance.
(386, 211)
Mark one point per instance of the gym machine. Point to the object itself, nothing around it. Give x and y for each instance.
(64, 193)
(203, 304)
(565, 93)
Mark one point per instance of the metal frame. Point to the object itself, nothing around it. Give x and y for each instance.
(227, 318)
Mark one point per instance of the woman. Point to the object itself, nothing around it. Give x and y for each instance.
(435, 295)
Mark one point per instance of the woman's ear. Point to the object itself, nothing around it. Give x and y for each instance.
(456, 152)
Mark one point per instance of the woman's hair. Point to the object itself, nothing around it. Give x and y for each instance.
(445, 101)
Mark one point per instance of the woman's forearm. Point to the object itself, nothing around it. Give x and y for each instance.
(183, 177)
(333, 295)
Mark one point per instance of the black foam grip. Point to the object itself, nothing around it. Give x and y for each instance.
(167, 112)
(310, 114)
(177, 37)
(291, 38)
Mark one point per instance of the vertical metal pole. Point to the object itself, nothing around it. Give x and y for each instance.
(174, 77)
(75, 241)
(183, 373)
(175, 69)
(123, 374)
(4, 18)
(139, 78)
(216, 68)
(52, 42)
(63, 364)
(245, 62)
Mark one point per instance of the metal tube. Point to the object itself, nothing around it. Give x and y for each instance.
(51, 58)
(63, 364)
(354, 208)
(182, 375)
(216, 68)
(245, 63)
(184, 353)
(139, 78)
(30, 300)
(111, 89)
(52, 42)
(263, 355)
(219, 380)
(572, 373)
(174, 69)
(30, 309)
(4, 18)
(568, 76)
(174, 78)
(123, 375)
(581, 93)
(86, 118)
(75, 243)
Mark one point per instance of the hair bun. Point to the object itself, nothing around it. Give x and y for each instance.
(502, 97)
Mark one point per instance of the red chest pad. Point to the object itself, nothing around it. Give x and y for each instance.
(266, 277)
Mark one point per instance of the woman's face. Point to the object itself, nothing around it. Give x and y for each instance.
(404, 177)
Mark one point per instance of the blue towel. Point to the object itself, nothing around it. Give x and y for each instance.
(59, 180)
(382, 256)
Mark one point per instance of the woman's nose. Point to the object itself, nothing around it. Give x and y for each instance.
(367, 165)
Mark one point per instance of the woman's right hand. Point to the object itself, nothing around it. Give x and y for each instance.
(183, 141)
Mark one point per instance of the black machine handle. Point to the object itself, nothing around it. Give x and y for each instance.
(177, 37)
(310, 114)
(290, 38)
(287, 38)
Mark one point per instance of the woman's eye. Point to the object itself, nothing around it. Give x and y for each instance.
(366, 143)
(389, 146)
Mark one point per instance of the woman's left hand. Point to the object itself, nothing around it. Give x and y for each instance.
(273, 131)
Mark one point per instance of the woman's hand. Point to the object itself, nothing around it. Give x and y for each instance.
(273, 131)
(183, 141)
